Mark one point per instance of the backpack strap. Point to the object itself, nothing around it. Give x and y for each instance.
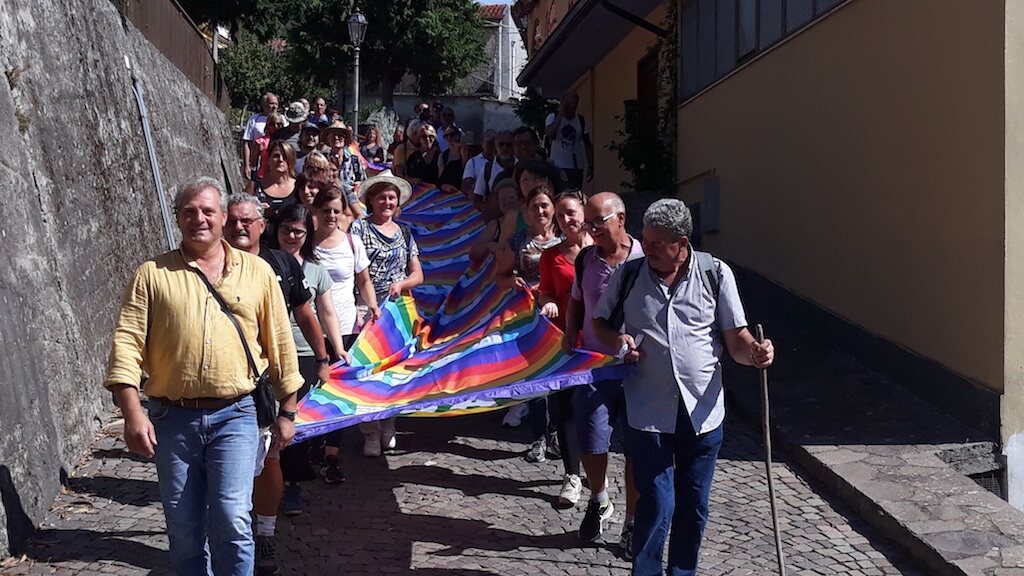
(407, 236)
(707, 272)
(488, 170)
(630, 271)
(578, 264)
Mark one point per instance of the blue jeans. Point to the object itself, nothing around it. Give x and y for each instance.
(672, 473)
(205, 461)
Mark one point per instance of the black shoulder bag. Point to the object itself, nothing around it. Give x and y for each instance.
(263, 395)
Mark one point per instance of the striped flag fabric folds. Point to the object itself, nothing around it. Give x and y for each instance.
(459, 345)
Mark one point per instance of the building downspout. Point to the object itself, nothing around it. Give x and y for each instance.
(164, 208)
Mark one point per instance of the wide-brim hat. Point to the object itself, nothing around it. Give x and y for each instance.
(404, 188)
(337, 126)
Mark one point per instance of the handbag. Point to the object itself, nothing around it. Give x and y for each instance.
(263, 394)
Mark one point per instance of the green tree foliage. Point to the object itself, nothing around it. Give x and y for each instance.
(438, 41)
(265, 18)
(252, 68)
(533, 109)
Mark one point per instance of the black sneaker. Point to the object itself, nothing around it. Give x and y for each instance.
(553, 450)
(291, 502)
(593, 521)
(266, 557)
(331, 470)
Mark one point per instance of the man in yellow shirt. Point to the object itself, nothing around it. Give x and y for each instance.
(201, 424)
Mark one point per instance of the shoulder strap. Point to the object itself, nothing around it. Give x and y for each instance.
(578, 264)
(706, 271)
(231, 316)
(407, 236)
(583, 125)
(351, 244)
(630, 270)
(488, 169)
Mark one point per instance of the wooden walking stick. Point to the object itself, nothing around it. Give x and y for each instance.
(766, 425)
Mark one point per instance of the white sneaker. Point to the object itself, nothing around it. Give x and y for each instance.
(514, 417)
(371, 445)
(572, 487)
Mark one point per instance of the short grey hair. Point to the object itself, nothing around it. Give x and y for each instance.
(190, 189)
(671, 214)
(245, 199)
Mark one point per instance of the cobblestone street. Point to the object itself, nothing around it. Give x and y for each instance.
(457, 498)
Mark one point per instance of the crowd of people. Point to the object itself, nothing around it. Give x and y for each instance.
(319, 223)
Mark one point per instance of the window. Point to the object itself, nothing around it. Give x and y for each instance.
(715, 36)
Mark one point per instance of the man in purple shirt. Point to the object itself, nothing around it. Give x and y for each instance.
(598, 406)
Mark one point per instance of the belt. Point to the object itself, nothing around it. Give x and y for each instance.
(199, 403)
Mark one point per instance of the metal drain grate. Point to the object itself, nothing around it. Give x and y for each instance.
(994, 482)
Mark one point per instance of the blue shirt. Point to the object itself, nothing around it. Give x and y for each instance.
(681, 347)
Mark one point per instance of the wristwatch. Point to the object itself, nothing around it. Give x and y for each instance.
(282, 413)
(323, 360)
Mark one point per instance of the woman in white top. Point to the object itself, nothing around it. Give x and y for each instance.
(344, 257)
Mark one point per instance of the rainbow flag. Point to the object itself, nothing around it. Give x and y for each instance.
(369, 165)
(459, 345)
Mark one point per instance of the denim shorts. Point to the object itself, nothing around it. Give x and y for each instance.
(597, 409)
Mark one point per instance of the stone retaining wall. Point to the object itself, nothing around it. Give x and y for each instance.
(78, 212)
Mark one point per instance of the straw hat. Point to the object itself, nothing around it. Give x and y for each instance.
(404, 189)
(337, 126)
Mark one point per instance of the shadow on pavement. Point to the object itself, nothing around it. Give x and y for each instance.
(123, 490)
(95, 546)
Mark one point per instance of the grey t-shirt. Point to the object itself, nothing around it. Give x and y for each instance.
(680, 349)
(319, 282)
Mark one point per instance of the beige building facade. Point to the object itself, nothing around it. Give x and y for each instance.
(865, 155)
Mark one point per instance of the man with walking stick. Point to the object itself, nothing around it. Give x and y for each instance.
(673, 313)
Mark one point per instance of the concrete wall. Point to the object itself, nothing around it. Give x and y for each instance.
(78, 212)
(861, 166)
(1012, 407)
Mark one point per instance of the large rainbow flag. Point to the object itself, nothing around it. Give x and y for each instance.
(460, 344)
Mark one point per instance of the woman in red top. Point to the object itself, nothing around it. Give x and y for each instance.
(558, 264)
(557, 273)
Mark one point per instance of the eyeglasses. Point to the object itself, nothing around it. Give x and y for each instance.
(600, 223)
(245, 222)
(289, 231)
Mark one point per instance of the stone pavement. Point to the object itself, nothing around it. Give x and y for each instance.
(892, 457)
(457, 498)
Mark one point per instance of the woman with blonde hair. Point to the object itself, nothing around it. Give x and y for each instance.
(274, 189)
(373, 146)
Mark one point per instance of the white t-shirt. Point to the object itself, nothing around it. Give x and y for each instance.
(567, 150)
(473, 166)
(481, 187)
(254, 127)
(343, 265)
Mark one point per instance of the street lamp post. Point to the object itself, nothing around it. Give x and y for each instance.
(356, 32)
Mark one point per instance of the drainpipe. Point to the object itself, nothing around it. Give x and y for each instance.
(633, 18)
(172, 242)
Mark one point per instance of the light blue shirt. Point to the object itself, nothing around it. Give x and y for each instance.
(681, 347)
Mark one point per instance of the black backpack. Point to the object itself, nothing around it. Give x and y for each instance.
(631, 269)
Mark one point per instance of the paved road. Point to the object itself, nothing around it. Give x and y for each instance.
(457, 498)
